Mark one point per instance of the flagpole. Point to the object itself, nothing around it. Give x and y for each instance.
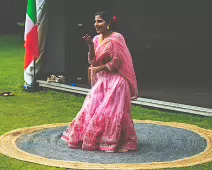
(34, 59)
(34, 76)
(31, 46)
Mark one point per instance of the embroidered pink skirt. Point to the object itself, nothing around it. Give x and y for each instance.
(104, 122)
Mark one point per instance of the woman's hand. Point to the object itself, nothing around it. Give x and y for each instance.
(98, 69)
(88, 40)
(95, 69)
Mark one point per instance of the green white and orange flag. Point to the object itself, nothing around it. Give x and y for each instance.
(31, 42)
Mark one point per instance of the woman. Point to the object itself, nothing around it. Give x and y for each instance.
(104, 122)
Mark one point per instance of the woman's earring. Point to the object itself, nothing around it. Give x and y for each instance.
(108, 27)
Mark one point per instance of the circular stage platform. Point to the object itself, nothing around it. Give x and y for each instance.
(161, 145)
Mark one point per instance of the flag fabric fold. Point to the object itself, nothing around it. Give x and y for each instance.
(31, 43)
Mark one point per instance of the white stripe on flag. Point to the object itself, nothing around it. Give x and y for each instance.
(28, 26)
(29, 73)
(39, 4)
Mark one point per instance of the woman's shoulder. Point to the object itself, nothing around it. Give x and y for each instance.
(118, 36)
(95, 37)
(95, 40)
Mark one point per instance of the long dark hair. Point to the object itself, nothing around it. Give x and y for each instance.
(109, 18)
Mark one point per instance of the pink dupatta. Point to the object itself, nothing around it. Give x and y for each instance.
(114, 52)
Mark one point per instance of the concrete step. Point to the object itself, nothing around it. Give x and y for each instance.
(140, 101)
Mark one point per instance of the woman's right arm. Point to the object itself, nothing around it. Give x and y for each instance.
(91, 54)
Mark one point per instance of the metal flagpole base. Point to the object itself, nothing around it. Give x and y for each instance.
(31, 88)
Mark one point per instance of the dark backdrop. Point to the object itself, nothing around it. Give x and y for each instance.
(170, 40)
(11, 12)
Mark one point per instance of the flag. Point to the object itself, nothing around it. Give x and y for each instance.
(31, 43)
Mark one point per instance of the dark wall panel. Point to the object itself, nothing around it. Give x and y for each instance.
(170, 40)
(54, 61)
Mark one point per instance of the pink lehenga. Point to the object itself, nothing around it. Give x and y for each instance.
(105, 122)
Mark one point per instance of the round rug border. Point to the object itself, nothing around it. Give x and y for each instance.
(8, 147)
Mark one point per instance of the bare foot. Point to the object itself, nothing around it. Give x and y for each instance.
(122, 150)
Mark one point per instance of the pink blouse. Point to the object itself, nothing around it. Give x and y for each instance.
(114, 53)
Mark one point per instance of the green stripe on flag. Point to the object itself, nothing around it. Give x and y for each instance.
(31, 10)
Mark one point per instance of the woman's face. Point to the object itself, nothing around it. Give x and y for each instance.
(100, 25)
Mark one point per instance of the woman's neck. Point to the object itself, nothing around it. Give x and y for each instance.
(106, 34)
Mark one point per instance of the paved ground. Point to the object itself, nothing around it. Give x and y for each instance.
(156, 144)
(190, 94)
(183, 93)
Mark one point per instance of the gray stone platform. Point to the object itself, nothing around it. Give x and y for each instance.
(156, 144)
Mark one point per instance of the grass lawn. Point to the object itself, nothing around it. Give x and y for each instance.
(46, 107)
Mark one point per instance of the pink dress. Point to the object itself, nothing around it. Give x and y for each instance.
(104, 121)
